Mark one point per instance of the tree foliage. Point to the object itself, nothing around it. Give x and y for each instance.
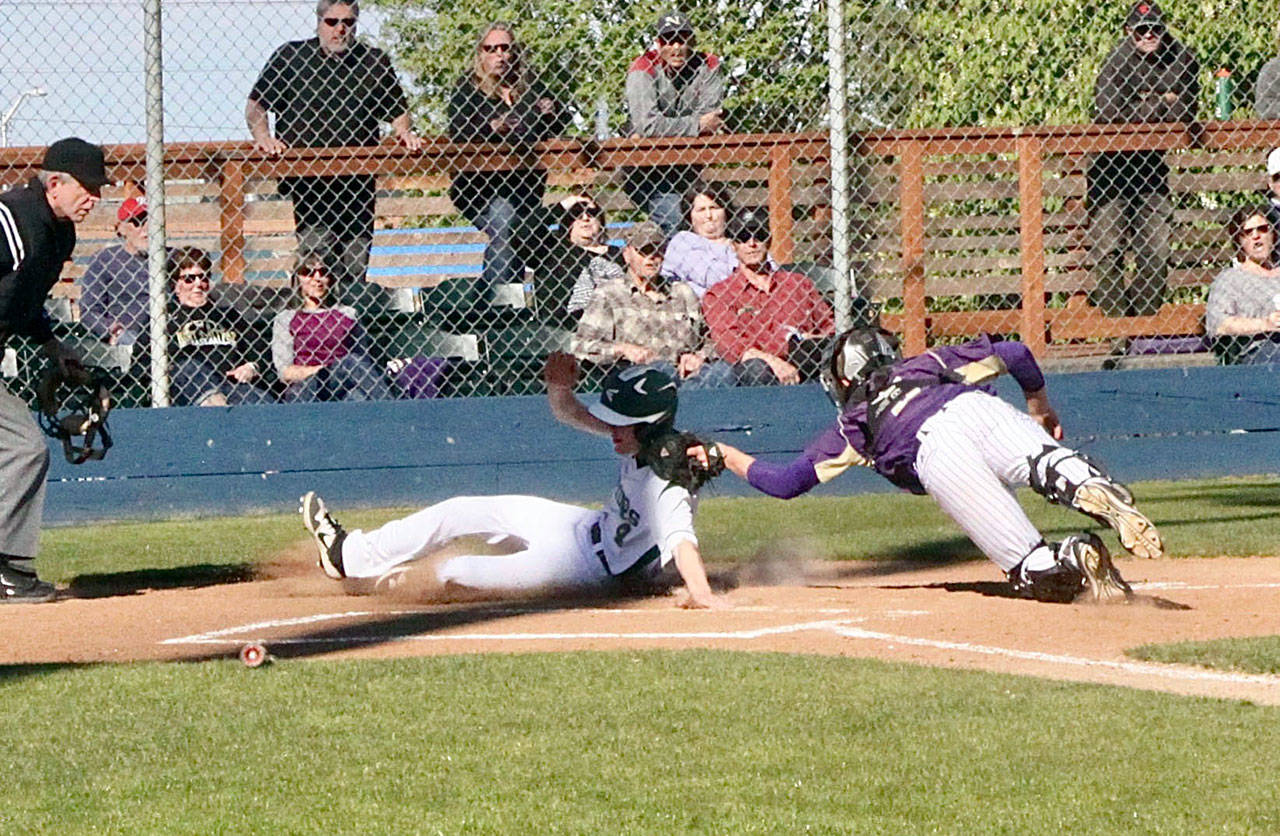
(911, 63)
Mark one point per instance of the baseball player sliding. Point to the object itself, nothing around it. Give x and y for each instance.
(930, 425)
(645, 525)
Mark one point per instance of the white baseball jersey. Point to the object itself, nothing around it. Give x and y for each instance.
(643, 520)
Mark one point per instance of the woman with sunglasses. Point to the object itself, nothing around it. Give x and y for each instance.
(212, 351)
(1242, 316)
(570, 256)
(500, 100)
(317, 347)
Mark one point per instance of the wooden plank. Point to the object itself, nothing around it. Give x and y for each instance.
(782, 246)
(1031, 200)
(912, 203)
(231, 220)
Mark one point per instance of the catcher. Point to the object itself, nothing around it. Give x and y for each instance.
(646, 523)
(929, 424)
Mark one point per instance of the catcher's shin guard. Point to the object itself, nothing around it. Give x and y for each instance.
(1068, 478)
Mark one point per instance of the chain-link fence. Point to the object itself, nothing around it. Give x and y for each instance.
(393, 201)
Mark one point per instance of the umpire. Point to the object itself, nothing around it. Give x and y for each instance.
(37, 234)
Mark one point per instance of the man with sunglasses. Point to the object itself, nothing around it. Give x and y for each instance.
(1148, 77)
(326, 92)
(672, 90)
(765, 321)
(114, 292)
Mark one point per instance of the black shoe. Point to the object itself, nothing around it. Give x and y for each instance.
(18, 586)
(328, 534)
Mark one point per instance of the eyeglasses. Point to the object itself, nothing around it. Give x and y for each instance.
(192, 278)
(1148, 31)
(749, 235)
(585, 210)
(335, 22)
(1249, 230)
(496, 47)
(319, 272)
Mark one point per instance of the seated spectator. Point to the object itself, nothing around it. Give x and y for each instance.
(1243, 313)
(211, 350)
(762, 319)
(570, 256)
(499, 99)
(672, 90)
(115, 290)
(1266, 91)
(317, 347)
(1271, 195)
(702, 254)
(641, 318)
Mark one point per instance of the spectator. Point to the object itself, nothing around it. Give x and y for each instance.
(1266, 92)
(1148, 77)
(211, 348)
(764, 320)
(330, 91)
(570, 257)
(671, 91)
(115, 291)
(499, 99)
(317, 347)
(702, 254)
(1242, 316)
(641, 319)
(1271, 195)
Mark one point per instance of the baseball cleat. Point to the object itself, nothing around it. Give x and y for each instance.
(1112, 504)
(327, 532)
(1102, 582)
(18, 586)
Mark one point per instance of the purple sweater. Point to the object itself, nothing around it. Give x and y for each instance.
(894, 448)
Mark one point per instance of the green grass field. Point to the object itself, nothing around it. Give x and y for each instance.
(638, 742)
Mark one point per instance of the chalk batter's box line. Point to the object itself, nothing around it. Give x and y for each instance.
(839, 627)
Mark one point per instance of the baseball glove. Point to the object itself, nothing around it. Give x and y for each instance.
(669, 458)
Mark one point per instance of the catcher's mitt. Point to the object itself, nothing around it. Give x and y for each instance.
(76, 403)
(668, 456)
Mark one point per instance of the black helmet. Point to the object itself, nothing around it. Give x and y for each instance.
(855, 355)
(636, 395)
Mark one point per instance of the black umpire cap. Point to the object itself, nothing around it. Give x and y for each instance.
(82, 160)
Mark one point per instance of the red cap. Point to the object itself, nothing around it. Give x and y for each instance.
(132, 208)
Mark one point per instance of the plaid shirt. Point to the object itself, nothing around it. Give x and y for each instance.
(669, 323)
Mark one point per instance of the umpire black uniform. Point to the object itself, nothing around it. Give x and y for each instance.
(37, 235)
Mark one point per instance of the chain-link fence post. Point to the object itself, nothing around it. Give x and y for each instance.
(837, 84)
(157, 267)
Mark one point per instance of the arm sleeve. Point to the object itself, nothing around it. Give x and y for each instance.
(390, 99)
(1266, 96)
(646, 119)
(595, 334)
(674, 521)
(1220, 304)
(270, 81)
(822, 319)
(467, 121)
(1021, 364)
(1107, 104)
(550, 125)
(711, 93)
(1188, 90)
(783, 481)
(281, 342)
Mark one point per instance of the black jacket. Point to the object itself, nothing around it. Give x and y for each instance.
(33, 247)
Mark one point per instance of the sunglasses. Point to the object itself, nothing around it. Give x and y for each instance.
(193, 278)
(1148, 31)
(580, 210)
(314, 271)
(674, 39)
(335, 22)
(496, 47)
(748, 235)
(1249, 230)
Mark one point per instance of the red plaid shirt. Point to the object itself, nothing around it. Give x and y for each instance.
(741, 316)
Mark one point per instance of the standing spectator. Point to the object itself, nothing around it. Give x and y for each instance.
(570, 258)
(1242, 316)
(330, 91)
(212, 353)
(1148, 77)
(499, 99)
(115, 291)
(39, 232)
(702, 254)
(1266, 92)
(318, 349)
(762, 319)
(641, 319)
(671, 91)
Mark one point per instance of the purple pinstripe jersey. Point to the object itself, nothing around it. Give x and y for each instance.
(893, 453)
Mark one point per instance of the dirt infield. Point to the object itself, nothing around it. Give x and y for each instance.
(955, 616)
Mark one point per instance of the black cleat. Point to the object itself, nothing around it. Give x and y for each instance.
(1101, 579)
(18, 586)
(328, 534)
